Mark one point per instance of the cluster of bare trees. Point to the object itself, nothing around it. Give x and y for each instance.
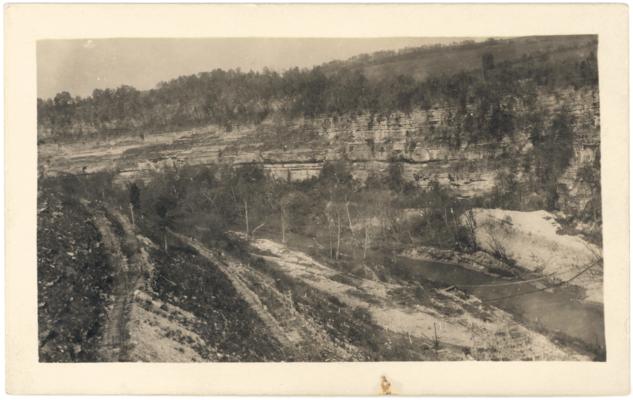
(346, 218)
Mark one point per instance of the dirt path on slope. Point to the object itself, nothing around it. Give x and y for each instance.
(461, 322)
(128, 274)
(417, 320)
(299, 335)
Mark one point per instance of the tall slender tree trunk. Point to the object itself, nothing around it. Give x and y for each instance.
(246, 218)
(593, 206)
(283, 228)
(329, 231)
(366, 244)
(132, 214)
(351, 229)
(338, 235)
(349, 218)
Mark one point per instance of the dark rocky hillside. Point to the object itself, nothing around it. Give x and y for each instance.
(74, 280)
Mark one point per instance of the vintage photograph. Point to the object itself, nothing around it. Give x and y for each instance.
(319, 200)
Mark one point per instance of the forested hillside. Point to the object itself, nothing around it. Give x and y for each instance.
(485, 81)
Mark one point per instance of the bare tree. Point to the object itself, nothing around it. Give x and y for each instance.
(338, 233)
(366, 241)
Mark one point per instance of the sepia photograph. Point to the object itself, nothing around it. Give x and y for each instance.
(319, 199)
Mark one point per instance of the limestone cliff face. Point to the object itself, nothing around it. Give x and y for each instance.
(296, 149)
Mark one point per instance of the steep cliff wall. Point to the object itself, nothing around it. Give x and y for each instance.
(296, 149)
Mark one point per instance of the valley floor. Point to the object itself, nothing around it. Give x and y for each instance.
(277, 303)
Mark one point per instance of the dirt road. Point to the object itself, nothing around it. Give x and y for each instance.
(127, 278)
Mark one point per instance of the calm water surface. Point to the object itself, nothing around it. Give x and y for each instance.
(556, 310)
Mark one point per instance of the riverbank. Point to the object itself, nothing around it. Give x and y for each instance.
(532, 241)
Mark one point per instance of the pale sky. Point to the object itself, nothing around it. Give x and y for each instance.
(80, 66)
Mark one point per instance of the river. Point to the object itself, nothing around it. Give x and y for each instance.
(556, 310)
